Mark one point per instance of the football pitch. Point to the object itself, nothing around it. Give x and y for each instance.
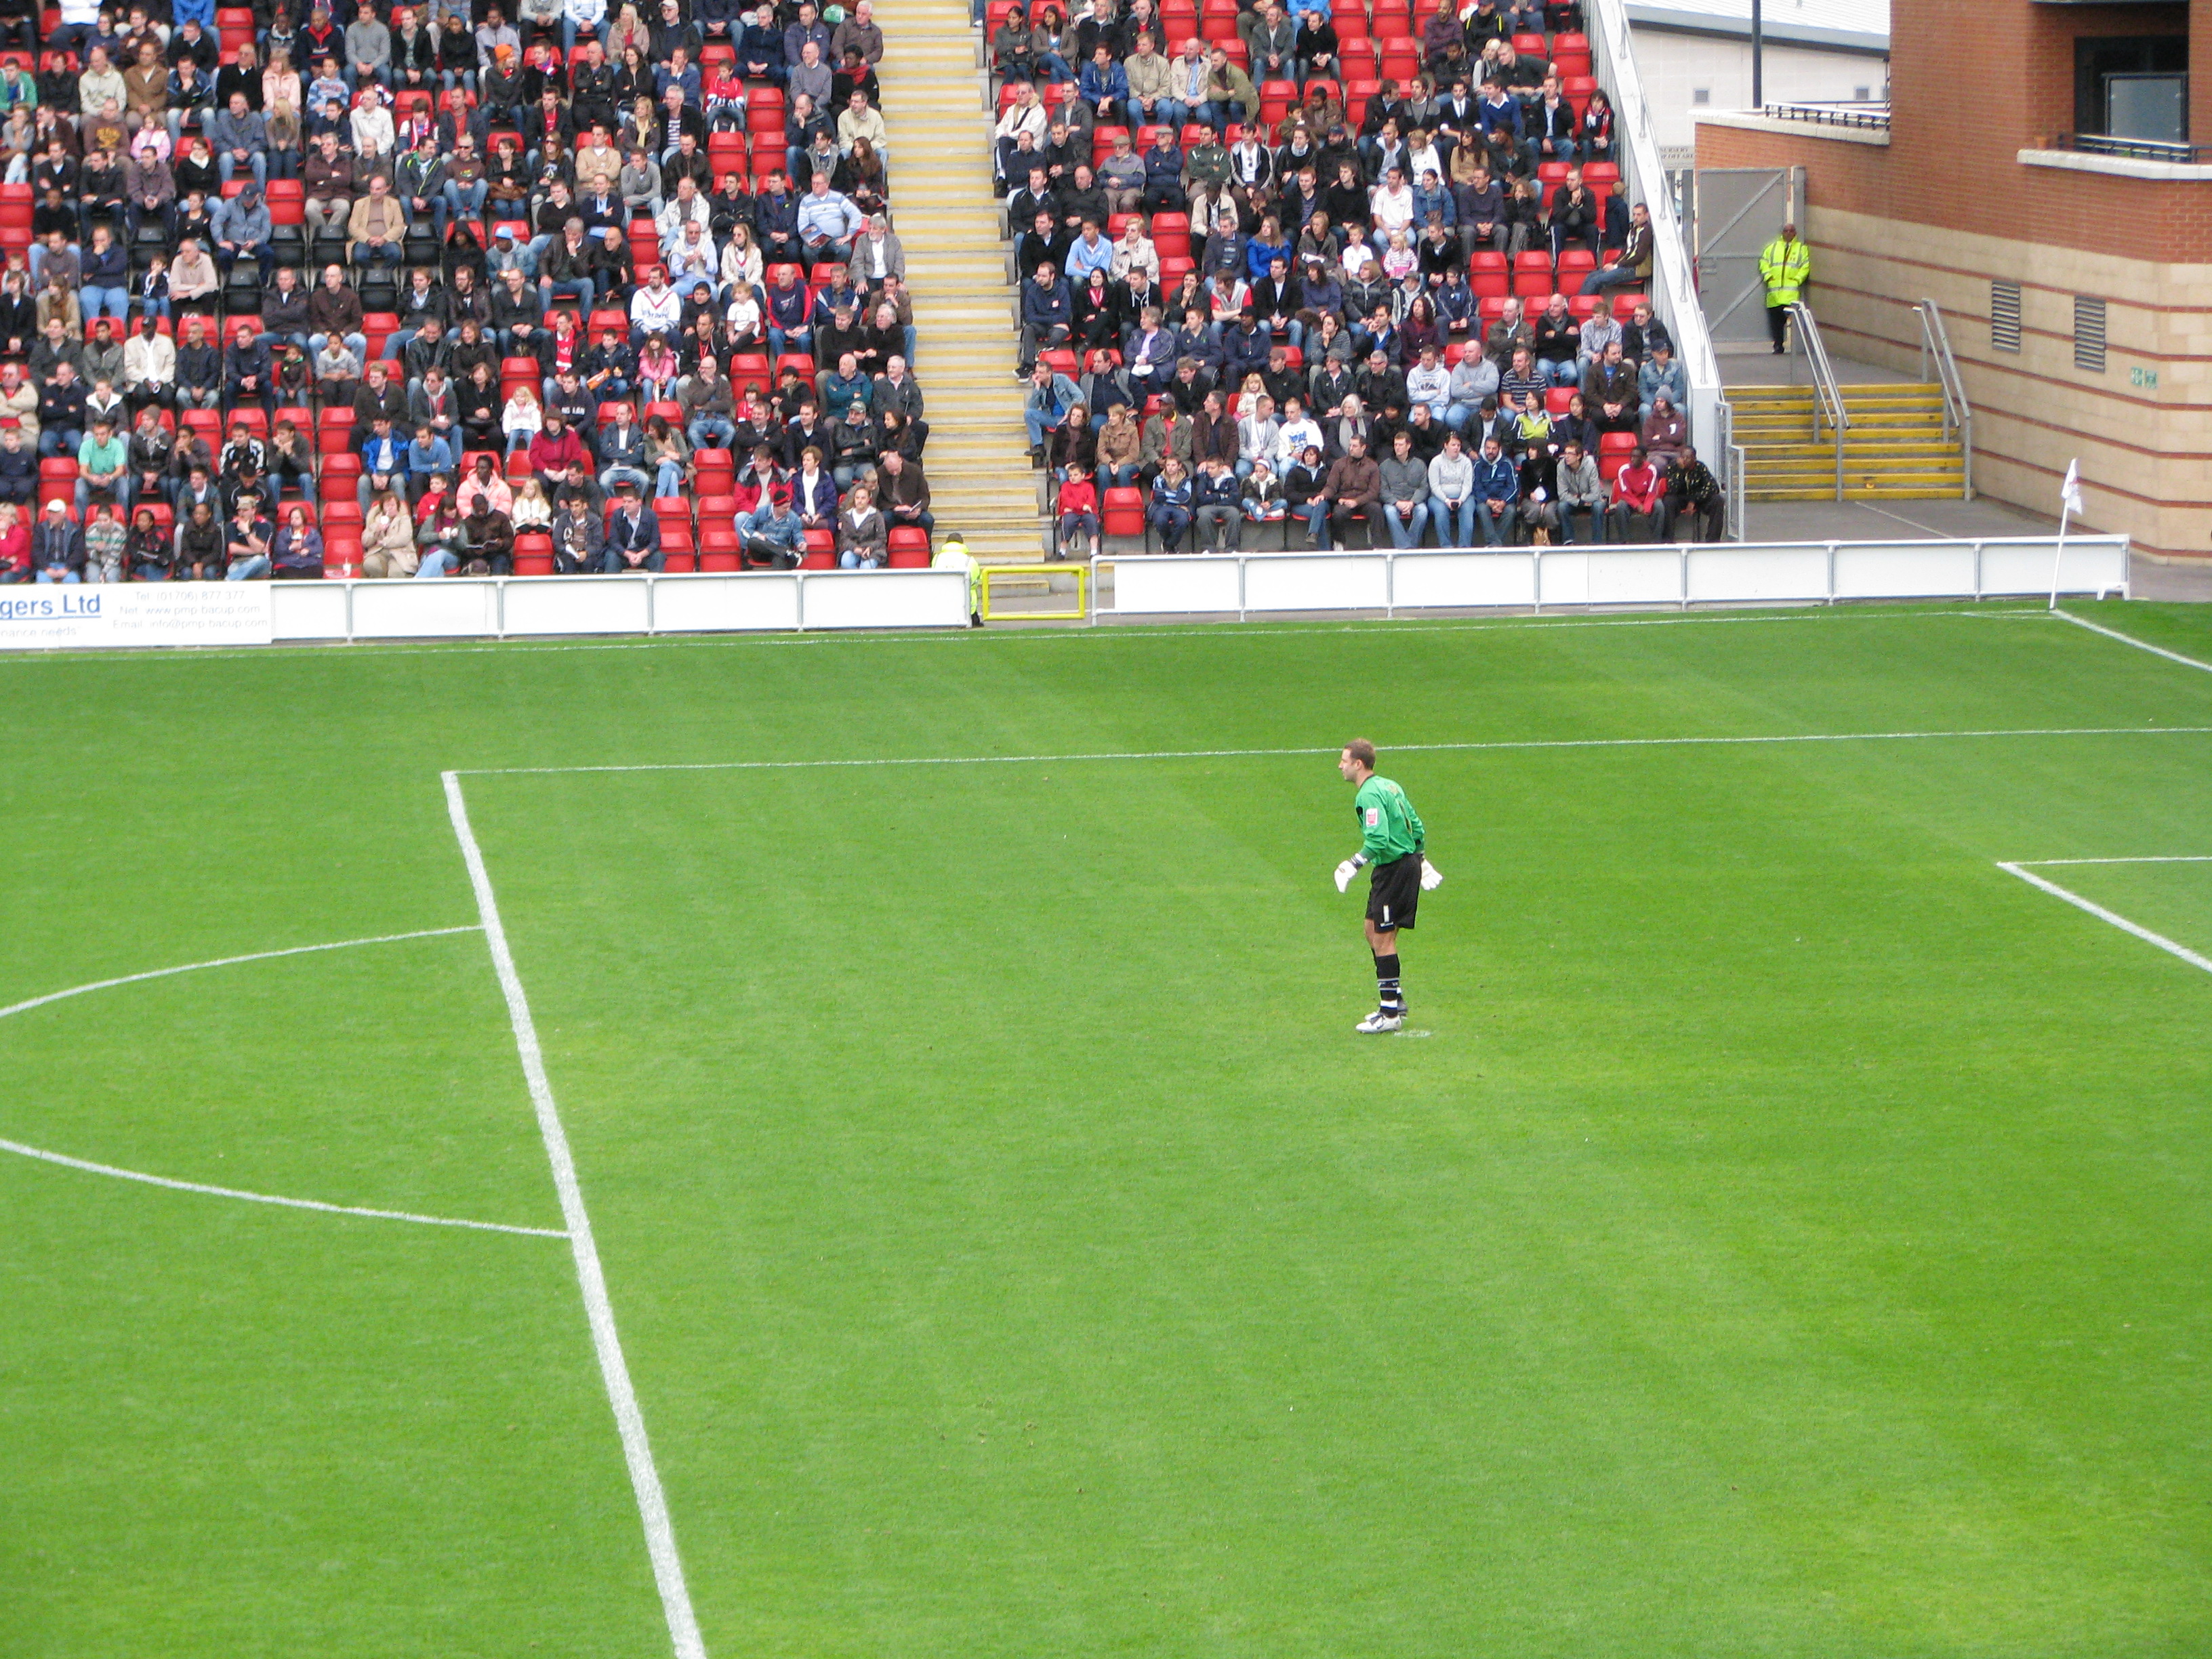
(855, 1146)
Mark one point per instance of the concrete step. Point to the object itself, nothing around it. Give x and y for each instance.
(1855, 454)
(1927, 493)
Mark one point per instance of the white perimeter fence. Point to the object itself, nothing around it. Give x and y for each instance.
(1719, 572)
(1379, 582)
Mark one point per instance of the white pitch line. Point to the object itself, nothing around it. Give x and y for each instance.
(44, 1156)
(2168, 858)
(2129, 639)
(227, 962)
(90, 1168)
(1395, 748)
(2102, 914)
(629, 1421)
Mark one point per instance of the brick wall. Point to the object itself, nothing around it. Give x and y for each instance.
(2130, 218)
(1946, 204)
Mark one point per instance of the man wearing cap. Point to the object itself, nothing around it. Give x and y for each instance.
(242, 225)
(58, 546)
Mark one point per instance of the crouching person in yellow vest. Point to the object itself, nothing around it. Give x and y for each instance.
(954, 555)
(1785, 266)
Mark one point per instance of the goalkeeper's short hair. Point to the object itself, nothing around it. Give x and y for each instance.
(1361, 750)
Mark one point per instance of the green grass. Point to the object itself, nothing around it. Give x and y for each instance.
(1791, 1240)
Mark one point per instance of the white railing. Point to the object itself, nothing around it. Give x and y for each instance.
(1713, 573)
(1674, 283)
(504, 607)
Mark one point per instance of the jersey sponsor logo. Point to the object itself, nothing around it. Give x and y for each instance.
(1374, 816)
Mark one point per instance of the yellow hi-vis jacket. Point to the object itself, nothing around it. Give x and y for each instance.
(1785, 267)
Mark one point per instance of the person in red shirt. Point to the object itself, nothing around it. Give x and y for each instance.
(760, 481)
(556, 449)
(1639, 496)
(1078, 510)
(14, 545)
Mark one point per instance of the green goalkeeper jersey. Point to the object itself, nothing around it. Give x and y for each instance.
(1388, 827)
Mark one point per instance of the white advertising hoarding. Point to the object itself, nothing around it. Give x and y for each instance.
(75, 615)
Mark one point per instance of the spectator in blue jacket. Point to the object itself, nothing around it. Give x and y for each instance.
(106, 276)
(842, 387)
(246, 371)
(1659, 375)
(1169, 512)
(1104, 85)
(1045, 405)
(775, 222)
(240, 138)
(429, 456)
(760, 47)
(790, 318)
(1497, 487)
(1164, 175)
(1047, 315)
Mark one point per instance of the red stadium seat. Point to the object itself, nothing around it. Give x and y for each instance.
(1124, 513)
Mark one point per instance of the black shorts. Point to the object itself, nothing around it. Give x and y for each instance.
(1395, 892)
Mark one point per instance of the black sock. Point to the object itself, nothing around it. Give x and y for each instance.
(1386, 982)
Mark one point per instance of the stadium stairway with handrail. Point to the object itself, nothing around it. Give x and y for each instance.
(977, 463)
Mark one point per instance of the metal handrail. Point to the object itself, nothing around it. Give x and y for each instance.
(1828, 395)
(1868, 115)
(1958, 413)
(2132, 149)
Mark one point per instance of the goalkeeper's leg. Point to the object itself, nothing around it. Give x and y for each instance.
(1390, 997)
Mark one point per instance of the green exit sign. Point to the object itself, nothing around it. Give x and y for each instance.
(2146, 377)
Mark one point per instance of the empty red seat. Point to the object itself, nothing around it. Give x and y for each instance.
(1124, 513)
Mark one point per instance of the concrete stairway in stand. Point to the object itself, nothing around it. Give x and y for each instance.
(1895, 449)
(977, 461)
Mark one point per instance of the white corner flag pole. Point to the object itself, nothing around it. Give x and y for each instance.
(2070, 503)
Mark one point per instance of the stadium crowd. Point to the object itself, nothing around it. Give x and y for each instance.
(364, 287)
(1314, 260)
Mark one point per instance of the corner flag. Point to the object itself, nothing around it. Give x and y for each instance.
(2069, 506)
(2069, 493)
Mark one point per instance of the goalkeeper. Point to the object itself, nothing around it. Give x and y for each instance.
(1391, 840)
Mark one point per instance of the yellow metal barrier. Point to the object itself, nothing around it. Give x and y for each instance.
(1081, 573)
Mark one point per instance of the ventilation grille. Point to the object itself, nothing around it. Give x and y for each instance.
(2004, 315)
(2089, 335)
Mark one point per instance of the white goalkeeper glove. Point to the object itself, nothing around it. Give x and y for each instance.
(1431, 878)
(1345, 873)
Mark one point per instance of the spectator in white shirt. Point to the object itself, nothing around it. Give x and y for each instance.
(657, 308)
(1392, 204)
(1430, 382)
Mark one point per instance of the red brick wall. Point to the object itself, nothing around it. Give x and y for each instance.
(1971, 85)
(2130, 218)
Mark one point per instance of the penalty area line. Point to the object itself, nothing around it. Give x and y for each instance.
(1293, 751)
(598, 1311)
(2113, 917)
(2129, 639)
(42, 1156)
(26, 1005)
